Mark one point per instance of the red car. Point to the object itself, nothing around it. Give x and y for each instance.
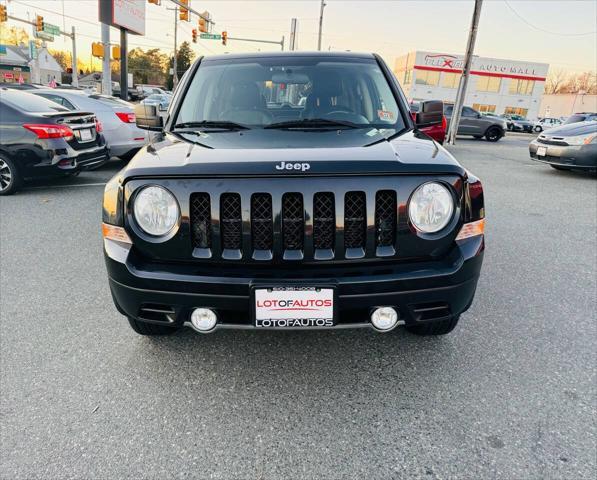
(437, 132)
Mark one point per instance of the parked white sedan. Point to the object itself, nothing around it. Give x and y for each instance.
(117, 118)
(546, 124)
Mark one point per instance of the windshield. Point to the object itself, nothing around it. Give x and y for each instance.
(261, 92)
(580, 118)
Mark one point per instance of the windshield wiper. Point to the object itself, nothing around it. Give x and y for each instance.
(220, 124)
(313, 123)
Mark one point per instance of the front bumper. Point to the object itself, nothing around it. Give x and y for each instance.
(570, 156)
(421, 292)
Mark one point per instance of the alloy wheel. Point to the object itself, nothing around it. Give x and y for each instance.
(5, 175)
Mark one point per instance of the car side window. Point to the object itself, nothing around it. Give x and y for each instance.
(469, 112)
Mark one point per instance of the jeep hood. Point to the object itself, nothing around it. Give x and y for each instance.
(240, 154)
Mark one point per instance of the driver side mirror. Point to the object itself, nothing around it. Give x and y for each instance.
(430, 113)
(148, 118)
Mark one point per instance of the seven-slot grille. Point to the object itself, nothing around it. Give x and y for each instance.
(296, 229)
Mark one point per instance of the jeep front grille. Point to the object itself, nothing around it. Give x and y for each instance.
(262, 229)
(324, 221)
(355, 224)
(293, 221)
(201, 220)
(294, 226)
(231, 221)
(385, 218)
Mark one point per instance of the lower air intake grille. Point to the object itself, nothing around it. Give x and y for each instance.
(261, 221)
(201, 220)
(355, 211)
(385, 218)
(293, 221)
(324, 220)
(231, 221)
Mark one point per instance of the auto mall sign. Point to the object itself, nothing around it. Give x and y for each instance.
(489, 65)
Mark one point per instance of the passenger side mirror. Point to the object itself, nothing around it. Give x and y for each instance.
(148, 118)
(430, 113)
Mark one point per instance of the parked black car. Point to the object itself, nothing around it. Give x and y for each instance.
(292, 191)
(567, 147)
(40, 138)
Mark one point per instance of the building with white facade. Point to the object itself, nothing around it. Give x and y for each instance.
(17, 62)
(495, 85)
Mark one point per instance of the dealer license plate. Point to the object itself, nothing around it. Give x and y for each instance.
(294, 307)
(541, 151)
(85, 135)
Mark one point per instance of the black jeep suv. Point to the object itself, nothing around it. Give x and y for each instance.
(292, 191)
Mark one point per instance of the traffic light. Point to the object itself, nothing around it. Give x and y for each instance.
(116, 52)
(183, 13)
(194, 33)
(97, 49)
(203, 25)
(224, 38)
(3, 14)
(39, 23)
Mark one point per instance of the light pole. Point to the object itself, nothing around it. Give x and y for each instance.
(320, 24)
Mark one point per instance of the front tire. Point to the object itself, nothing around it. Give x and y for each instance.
(10, 177)
(150, 329)
(538, 129)
(442, 327)
(493, 134)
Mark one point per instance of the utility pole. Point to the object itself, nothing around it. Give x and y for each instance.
(468, 58)
(175, 61)
(293, 34)
(106, 73)
(124, 81)
(75, 77)
(320, 24)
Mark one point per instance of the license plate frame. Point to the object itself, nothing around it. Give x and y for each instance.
(329, 291)
(541, 151)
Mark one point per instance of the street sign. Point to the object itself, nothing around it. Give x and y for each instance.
(210, 36)
(32, 50)
(45, 36)
(51, 29)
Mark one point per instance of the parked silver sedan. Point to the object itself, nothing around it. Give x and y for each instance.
(117, 118)
(568, 147)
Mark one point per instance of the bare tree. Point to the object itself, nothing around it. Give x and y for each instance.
(555, 81)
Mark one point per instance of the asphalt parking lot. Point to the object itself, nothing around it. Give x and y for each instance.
(509, 394)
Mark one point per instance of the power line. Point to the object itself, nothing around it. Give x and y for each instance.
(543, 29)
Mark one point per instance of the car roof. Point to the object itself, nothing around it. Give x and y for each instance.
(289, 54)
(62, 91)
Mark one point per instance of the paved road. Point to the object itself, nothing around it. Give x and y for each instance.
(509, 394)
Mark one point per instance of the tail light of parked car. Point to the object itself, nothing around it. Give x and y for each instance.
(50, 131)
(98, 126)
(126, 117)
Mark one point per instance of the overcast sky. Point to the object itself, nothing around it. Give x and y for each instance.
(539, 30)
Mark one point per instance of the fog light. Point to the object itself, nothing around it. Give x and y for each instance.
(384, 318)
(204, 319)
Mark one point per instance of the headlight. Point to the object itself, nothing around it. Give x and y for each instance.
(156, 210)
(431, 207)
